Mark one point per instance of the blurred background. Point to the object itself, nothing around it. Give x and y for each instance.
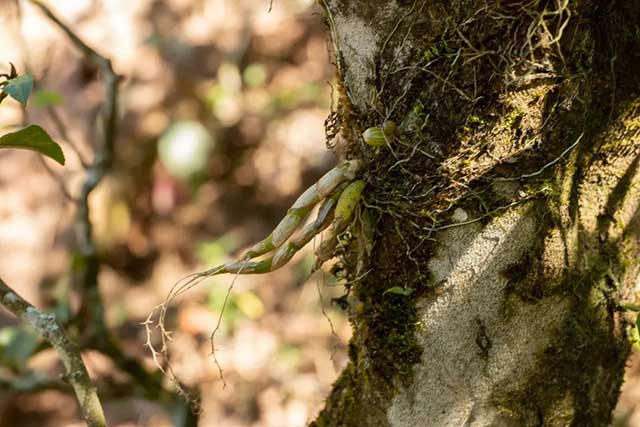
(222, 112)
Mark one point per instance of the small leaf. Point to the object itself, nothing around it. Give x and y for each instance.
(348, 201)
(399, 291)
(33, 138)
(47, 98)
(20, 88)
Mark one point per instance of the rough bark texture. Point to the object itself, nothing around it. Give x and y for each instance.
(508, 201)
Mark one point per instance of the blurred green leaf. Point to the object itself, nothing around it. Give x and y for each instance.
(19, 88)
(78, 262)
(255, 75)
(17, 344)
(399, 291)
(33, 138)
(214, 252)
(47, 98)
(288, 356)
(291, 97)
(250, 305)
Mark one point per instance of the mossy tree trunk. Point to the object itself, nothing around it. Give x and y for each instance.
(508, 201)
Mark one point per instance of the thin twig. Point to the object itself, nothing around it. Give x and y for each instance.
(51, 330)
(62, 130)
(58, 179)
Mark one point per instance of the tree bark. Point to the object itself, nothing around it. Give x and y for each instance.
(507, 203)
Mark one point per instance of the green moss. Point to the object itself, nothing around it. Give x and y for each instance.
(430, 53)
(384, 348)
(578, 357)
(461, 128)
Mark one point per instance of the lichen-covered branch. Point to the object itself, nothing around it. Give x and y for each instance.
(76, 372)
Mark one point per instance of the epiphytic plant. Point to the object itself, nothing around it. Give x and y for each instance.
(338, 193)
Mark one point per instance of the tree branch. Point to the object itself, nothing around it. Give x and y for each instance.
(76, 372)
(92, 308)
(90, 317)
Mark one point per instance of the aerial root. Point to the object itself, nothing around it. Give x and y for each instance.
(339, 195)
(303, 205)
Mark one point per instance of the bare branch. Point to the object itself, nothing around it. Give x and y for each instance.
(91, 307)
(76, 372)
(91, 314)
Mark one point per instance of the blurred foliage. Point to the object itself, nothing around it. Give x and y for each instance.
(17, 344)
(215, 251)
(47, 98)
(255, 75)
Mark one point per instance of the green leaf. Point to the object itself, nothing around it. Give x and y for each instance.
(399, 291)
(33, 138)
(20, 88)
(47, 98)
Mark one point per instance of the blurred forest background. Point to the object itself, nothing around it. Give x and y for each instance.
(222, 111)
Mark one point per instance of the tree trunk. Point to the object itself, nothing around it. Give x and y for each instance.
(507, 203)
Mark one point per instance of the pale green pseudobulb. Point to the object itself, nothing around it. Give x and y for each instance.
(378, 136)
(389, 128)
(348, 201)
